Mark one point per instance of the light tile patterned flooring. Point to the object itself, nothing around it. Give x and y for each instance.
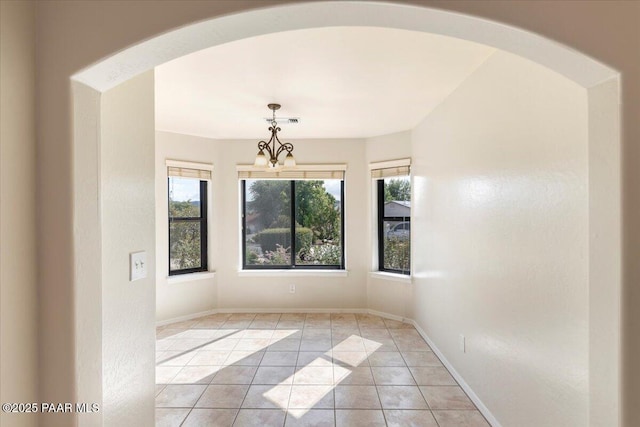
(298, 369)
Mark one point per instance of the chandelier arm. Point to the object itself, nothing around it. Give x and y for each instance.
(270, 146)
(288, 147)
(282, 145)
(262, 145)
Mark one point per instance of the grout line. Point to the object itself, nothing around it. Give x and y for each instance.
(332, 327)
(335, 409)
(194, 405)
(248, 388)
(434, 417)
(194, 349)
(375, 385)
(189, 413)
(286, 410)
(479, 405)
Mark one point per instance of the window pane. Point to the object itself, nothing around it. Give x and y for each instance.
(396, 246)
(268, 222)
(318, 222)
(396, 225)
(184, 197)
(397, 197)
(184, 245)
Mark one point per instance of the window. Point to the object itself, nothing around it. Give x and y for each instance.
(293, 224)
(394, 220)
(187, 222)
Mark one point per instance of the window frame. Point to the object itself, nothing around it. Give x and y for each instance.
(292, 265)
(381, 220)
(204, 235)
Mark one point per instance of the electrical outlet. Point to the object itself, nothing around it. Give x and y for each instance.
(462, 343)
(137, 265)
(292, 289)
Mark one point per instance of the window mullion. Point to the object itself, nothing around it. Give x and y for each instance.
(396, 218)
(380, 224)
(293, 224)
(169, 188)
(342, 224)
(244, 223)
(204, 239)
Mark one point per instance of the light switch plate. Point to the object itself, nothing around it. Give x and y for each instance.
(137, 265)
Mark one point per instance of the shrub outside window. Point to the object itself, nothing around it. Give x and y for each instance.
(394, 224)
(187, 225)
(293, 224)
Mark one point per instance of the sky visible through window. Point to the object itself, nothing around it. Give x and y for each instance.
(183, 190)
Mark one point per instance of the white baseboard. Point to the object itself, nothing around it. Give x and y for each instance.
(292, 310)
(389, 316)
(185, 317)
(474, 397)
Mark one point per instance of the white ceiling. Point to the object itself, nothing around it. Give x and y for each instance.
(343, 82)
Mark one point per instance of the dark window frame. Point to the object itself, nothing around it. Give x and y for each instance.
(202, 219)
(381, 220)
(292, 265)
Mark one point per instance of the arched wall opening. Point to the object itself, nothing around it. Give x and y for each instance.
(96, 164)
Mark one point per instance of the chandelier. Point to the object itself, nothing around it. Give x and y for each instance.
(268, 152)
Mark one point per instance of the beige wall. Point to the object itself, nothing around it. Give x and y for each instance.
(188, 298)
(501, 240)
(184, 298)
(500, 227)
(18, 262)
(73, 35)
(385, 294)
(604, 265)
(87, 296)
(127, 187)
(262, 290)
(316, 291)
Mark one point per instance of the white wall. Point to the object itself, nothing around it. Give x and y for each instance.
(604, 263)
(316, 291)
(183, 298)
(385, 294)
(500, 238)
(87, 301)
(262, 290)
(18, 260)
(74, 35)
(128, 211)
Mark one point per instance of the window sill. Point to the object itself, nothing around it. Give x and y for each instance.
(293, 273)
(191, 277)
(383, 275)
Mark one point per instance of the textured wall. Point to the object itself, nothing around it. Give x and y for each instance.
(74, 35)
(128, 212)
(175, 300)
(384, 294)
(500, 234)
(265, 290)
(18, 263)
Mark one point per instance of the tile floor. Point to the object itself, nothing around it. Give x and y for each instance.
(298, 369)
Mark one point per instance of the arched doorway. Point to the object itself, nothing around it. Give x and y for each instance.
(144, 56)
